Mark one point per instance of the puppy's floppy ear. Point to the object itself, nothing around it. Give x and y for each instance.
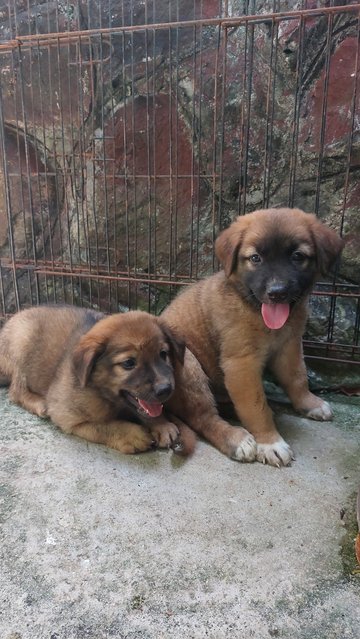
(328, 245)
(86, 353)
(176, 343)
(227, 247)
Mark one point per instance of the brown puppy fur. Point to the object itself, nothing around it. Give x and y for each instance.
(101, 378)
(271, 259)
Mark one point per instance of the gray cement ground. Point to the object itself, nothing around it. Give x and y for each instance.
(100, 545)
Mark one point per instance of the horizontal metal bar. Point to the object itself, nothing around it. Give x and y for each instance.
(326, 358)
(76, 272)
(332, 346)
(57, 268)
(73, 36)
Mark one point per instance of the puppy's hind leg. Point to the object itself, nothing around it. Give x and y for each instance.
(20, 394)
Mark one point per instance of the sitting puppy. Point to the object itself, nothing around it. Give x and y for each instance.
(102, 378)
(252, 315)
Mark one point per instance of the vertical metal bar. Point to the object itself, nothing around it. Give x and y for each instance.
(28, 170)
(270, 108)
(199, 145)
(214, 166)
(353, 112)
(245, 116)
(7, 200)
(104, 162)
(155, 179)
(171, 149)
(176, 152)
(94, 251)
(193, 138)
(64, 162)
(49, 81)
(248, 93)
(37, 173)
(34, 137)
(330, 19)
(321, 157)
(126, 171)
(19, 175)
(86, 166)
(296, 115)
(76, 149)
(149, 142)
(10, 16)
(242, 126)
(356, 339)
(2, 293)
(50, 227)
(134, 158)
(223, 53)
(103, 148)
(174, 170)
(114, 289)
(356, 335)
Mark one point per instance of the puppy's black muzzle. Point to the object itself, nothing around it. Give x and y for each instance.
(162, 391)
(278, 292)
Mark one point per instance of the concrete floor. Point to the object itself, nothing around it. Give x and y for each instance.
(100, 545)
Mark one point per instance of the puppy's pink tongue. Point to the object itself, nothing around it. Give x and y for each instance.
(153, 410)
(275, 315)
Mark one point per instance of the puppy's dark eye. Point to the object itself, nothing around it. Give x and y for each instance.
(164, 354)
(128, 364)
(298, 256)
(255, 259)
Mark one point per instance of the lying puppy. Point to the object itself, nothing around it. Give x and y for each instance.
(252, 315)
(102, 378)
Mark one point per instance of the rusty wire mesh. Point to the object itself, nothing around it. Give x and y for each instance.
(131, 136)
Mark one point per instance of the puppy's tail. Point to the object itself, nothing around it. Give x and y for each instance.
(186, 442)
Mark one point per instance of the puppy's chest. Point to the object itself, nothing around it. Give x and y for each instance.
(254, 340)
(275, 340)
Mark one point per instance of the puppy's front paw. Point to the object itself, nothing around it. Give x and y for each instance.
(135, 441)
(43, 412)
(165, 435)
(277, 454)
(245, 446)
(321, 412)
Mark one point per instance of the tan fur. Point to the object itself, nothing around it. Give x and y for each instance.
(66, 363)
(228, 337)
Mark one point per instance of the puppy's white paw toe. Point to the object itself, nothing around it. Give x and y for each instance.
(321, 413)
(245, 451)
(277, 454)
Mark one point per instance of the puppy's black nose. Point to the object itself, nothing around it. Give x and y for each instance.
(162, 391)
(277, 292)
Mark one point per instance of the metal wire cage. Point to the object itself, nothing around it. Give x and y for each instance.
(131, 133)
